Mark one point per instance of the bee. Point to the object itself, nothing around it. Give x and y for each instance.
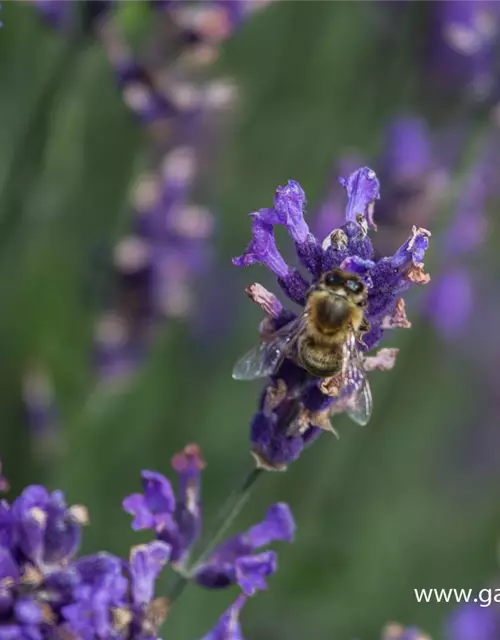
(324, 340)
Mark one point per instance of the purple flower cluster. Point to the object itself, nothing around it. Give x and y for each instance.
(292, 394)
(48, 592)
(177, 521)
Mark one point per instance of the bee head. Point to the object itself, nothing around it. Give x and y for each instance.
(345, 284)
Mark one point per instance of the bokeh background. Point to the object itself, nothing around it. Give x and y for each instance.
(102, 374)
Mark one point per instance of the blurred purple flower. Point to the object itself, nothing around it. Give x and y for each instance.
(177, 522)
(396, 632)
(41, 411)
(65, 16)
(464, 45)
(452, 295)
(473, 622)
(415, 179)
(450, 301)
(159, 264)
(407, 154)
(292, 396)
(157, 267)
(205, 25)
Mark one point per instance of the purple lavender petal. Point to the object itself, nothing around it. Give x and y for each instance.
(277, 525)
(363, 188)
(155, 509)
(228, 627)
(189, 464)
(146, 563)
(330, 215)
(63, 530)
(29, 511)
(48, 531)
(8, 567)
(359, 266)
(289, 204)
(89, 617)
(135, 504)
(252, 571)
(412, 252)
(28, 612)
(262, 249)
(101, 571)
(158, 492)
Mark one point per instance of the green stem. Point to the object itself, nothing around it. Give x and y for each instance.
(224, 520)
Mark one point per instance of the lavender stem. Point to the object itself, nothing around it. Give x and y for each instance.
(227, 514)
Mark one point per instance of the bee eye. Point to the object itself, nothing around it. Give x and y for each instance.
(354, 285)
(332, 279)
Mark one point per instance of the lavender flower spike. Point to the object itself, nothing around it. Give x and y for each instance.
(47, 591)
(295, 407)
(176, 521)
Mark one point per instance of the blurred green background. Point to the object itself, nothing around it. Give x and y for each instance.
(409, 502)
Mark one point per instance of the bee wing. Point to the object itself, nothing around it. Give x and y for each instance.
(264, 359)
(355, 385)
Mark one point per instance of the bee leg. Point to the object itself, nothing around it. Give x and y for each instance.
(364, 326)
